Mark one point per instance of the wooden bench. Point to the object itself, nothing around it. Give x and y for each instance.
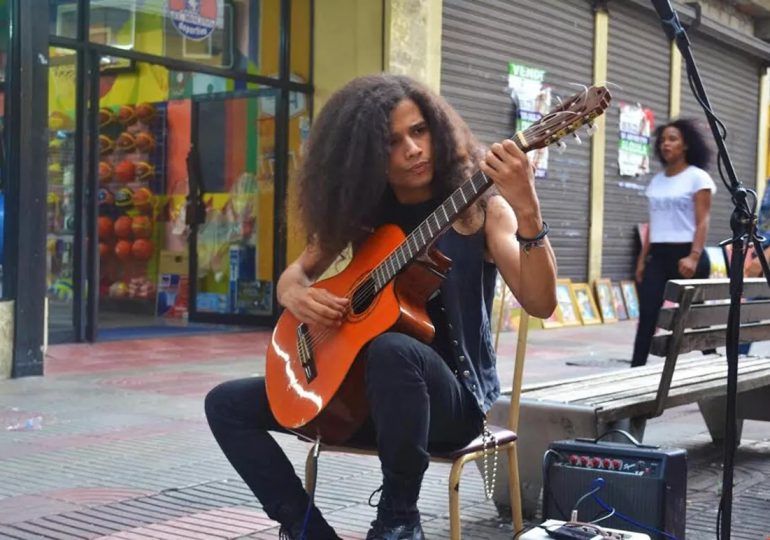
(588, 406)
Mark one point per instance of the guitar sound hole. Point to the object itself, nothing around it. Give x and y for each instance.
(363, 297)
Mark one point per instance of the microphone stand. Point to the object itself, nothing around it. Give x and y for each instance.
(743, 223)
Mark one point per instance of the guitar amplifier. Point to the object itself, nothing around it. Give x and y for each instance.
(644, 483)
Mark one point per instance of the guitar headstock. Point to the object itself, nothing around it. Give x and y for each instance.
(577, 111)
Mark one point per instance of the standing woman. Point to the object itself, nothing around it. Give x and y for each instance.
(679, 205)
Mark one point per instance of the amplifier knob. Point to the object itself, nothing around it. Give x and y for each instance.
(574, 460)
(596, 462)
(617, 464)
(607, 463)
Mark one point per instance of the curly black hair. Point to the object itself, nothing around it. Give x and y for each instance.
(698, 151)
(343, 180)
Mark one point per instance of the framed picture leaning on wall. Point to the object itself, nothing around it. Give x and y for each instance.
(620, 304)
(566, 303)
(586, 305)
(631, 298)
(603, 288)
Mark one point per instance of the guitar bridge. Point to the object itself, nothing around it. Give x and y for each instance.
(305, 352)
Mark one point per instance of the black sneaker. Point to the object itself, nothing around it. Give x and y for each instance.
(407, 530)
(393, 522)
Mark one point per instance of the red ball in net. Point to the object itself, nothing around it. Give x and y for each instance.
(123, 227)
(142, 249)
(105, 228)
(123, 250)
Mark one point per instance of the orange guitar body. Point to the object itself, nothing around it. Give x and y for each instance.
(331, 402)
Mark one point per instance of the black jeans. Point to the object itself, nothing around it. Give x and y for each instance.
(661, 266)
(416, 403)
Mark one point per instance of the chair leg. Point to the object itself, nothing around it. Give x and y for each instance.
(514, 488)
(310, 472)
(454, 498)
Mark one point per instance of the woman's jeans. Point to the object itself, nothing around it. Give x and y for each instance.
(416, 403)
(661, 266)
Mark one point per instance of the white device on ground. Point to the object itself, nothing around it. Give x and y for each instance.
(539, 534)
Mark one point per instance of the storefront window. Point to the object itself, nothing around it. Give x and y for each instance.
(243, 35)
(61, 218)
(63, 15)
(150, 118)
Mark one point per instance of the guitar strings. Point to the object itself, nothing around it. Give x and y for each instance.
(371, 285)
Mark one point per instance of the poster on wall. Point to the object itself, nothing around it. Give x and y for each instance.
(634, 148)
(527, 88)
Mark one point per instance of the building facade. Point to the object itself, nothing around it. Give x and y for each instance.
(151, 143)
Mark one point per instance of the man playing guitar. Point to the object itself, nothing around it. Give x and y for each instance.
(385, 149)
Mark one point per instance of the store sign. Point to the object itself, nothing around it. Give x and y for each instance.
(194, 19)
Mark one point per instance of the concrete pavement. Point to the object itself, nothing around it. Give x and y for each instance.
(112, 443)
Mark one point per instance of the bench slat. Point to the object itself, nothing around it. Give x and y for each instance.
(679, 396)
(714, 289)
(687, 371)
(699, 339)
(716, 314)
(714, 377)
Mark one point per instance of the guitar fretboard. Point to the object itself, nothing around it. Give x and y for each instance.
(430, 228)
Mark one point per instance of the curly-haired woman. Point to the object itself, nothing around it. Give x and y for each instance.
(680, 204)
(385, 149)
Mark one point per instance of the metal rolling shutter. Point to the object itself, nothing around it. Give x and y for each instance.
(638, 64)
(731, 80)
(479, 39)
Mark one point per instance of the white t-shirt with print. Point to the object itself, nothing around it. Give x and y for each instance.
(672, 204)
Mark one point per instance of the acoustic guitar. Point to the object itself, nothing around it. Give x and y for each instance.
(315, 376)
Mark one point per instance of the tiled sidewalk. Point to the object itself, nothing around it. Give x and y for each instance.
(112, 443)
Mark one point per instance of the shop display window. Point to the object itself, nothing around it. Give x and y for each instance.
(61, 217)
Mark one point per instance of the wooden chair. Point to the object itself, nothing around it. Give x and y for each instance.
(505, 436)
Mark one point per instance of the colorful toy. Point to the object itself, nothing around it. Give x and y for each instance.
(123, 250)
(106, 117)
(142, 249)
(105, 171)
(144, 170)
(145, 141)
(105, 197)
(141, 287)
(126, 114)
(106, 144)
(119, 289)
(124, 198)
(141, 226)
(143, 199)
(122, 227)
(145, 111)
(105, 228)
(126, 141)
(125, 171)
(61, 289)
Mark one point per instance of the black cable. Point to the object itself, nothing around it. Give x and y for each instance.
(547, 485)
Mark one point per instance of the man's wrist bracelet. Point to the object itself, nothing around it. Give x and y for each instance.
(537, 241)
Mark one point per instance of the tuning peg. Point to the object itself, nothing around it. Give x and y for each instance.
(561, 146)
(591, 129)
(577, 138)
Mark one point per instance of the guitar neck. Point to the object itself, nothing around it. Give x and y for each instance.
(431, 228)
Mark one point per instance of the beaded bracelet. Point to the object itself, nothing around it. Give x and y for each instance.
(537, 241)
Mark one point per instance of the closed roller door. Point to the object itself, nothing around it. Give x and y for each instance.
(479, 39)
(638, 65)
(731, 80)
